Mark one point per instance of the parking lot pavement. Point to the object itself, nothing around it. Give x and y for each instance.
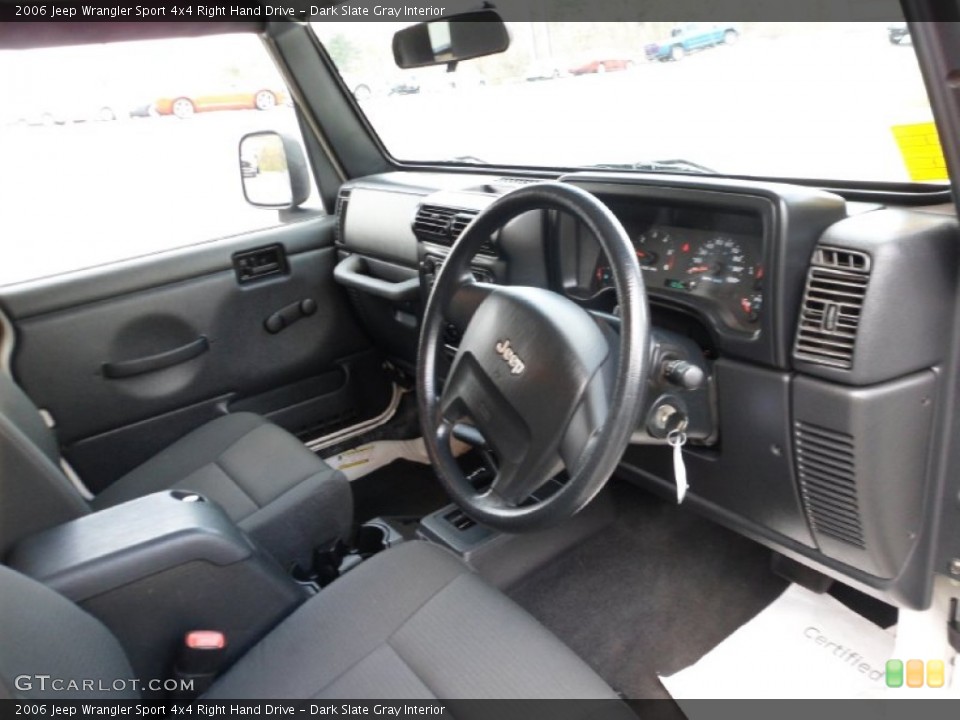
(84, 194)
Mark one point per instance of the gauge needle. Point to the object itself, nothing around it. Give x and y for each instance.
(697, 269)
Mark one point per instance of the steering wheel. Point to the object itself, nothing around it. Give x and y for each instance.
(536, 375)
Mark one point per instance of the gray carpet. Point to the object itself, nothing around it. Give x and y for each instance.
(651, 594)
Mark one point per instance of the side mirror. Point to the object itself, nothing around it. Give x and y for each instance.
(451, 39)
(273, 170)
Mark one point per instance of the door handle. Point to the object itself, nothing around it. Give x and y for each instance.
(160, 361)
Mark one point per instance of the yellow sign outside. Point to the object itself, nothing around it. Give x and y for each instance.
(920, 147)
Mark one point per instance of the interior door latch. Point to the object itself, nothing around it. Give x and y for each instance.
(251, 265)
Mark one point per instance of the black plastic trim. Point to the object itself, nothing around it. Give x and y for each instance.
(159, 361)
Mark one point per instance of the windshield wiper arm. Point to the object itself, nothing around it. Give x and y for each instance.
(671, 165)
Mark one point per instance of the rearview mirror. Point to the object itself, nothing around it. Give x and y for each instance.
(447, 40)
(273, 171)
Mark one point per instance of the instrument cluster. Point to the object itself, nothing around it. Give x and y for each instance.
(711, 258)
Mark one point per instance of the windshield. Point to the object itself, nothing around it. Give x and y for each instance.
(831, 100)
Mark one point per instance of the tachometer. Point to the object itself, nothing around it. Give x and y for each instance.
(719, 260)
(655, 250)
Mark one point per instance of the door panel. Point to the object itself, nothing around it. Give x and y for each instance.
(125, 374)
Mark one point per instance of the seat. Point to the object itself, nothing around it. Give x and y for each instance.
(411, 623)
(273, 487)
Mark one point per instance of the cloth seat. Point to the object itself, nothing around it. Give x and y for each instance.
(413, 622)
(267, 481)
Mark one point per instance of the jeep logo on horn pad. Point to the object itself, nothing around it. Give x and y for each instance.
(510, 357)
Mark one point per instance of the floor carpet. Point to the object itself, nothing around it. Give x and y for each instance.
(651, 594)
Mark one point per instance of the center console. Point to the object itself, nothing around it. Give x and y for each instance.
(157, 567)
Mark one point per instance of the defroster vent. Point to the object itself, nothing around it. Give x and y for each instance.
(826, 471)
(832, 305)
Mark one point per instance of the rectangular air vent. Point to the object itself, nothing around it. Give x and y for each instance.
(826, 471)
(841, 259)
(516, 181)
(832, 304)
(343, 199)
(443, 225)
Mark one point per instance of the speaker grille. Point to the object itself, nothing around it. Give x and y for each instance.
(826, 470)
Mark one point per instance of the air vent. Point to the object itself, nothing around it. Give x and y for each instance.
(516, 181)
(840, 259)
(832, 304)
(443, 225)
(825, 468)
(343, 199)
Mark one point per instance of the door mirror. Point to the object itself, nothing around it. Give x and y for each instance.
(273, 170)
(448, 40)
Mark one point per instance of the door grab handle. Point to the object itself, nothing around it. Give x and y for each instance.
(160, 361)
(349, 272)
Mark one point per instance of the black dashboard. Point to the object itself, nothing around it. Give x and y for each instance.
(816, 322)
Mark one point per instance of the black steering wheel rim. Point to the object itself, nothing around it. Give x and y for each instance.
(456, 295)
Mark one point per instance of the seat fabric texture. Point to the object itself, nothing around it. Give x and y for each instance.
(267, 481)
(413, 622)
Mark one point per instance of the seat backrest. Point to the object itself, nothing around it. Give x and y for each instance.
(34, 492)
(53, 650)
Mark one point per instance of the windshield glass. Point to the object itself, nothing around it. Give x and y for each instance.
(831, 100)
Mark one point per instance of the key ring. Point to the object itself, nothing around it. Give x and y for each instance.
(676, 438)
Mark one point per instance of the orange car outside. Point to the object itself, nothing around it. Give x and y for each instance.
(184, 106)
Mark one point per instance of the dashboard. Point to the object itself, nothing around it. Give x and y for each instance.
(817, 323)
(713, 258)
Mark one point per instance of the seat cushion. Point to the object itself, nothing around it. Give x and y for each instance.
(410, 623)
(266, 480)
(53, 650)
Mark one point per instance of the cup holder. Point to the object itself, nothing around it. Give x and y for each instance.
(329, 563)
(370, 540)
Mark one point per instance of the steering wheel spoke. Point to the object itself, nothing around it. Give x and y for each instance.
(466, 298)
(469, 394)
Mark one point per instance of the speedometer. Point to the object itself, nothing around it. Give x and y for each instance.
(720, 260)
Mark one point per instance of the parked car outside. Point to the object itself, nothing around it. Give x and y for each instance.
(898, 33)
(691, 37)
(544, 69)
(184, 106)
(602, 64)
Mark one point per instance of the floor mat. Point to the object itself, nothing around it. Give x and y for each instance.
(402, 489)
(803, 645)
(652, 594)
